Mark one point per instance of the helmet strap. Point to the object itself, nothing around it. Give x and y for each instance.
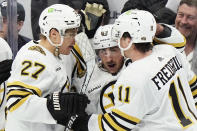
(57, 52)
(57, 46)
(124, 49)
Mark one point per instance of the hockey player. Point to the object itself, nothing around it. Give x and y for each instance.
(152, 93)
(110, 62)
(36, 97)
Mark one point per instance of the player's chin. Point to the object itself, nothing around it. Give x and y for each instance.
(112, 70)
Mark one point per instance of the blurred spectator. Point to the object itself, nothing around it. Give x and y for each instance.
(173, 5)
(186, 23)
(156, 7)
(22, 40)
(38, 5)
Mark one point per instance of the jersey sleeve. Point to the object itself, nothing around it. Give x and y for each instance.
(191, 76)
(5, 51)
(125, 115)
(176, 39)
(80, 66)
(31, 80)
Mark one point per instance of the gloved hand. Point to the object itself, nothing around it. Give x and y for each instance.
(64, 105)
(92, 14)
(79, 123)
(92, 17)
(5, 68)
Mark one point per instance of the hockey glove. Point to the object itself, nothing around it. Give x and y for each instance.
(64, 105)
(5, 68)
(79, 123)
(92, 17)
(92, 13)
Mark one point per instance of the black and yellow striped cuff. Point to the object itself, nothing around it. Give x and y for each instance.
(22, 85)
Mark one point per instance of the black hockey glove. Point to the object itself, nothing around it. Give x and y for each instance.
(78, 123)
(64, 105)
(5, 68)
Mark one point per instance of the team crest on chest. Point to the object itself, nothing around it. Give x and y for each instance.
(107, 97)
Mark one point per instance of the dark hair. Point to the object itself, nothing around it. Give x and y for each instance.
(142, 47)
(126, 35)
(189, 2)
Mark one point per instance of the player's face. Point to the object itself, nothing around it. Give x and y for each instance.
(186, 20)
(111, 58)
(69, 41)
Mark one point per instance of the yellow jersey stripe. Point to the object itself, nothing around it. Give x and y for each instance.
(112, 123)
(18, 83)
(124, 115)
(18, 104)
(108, 106)
(1, 90)
(100, 122)
(177, 45)
(76, 47)
(194, 92)
(16, 92)
(67, 86)
(193, 80)
(81, 64)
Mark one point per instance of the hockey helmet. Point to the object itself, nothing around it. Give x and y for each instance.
(60, 17)
(103, 37)
(140, 25)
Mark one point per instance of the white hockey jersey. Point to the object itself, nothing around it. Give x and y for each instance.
(35, 74)
(152, 94)
(99, 91)
(99, 84)
(5, 53)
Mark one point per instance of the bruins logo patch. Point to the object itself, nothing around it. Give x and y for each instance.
(107, 97)
(37, 48)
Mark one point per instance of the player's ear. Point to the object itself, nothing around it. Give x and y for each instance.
(53, 32)
(54, 35)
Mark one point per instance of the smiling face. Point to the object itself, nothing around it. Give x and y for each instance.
(68, 42)
(186, 20)
(111, 58)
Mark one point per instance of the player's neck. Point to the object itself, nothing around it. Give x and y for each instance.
(137, 55)
(47, 45)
